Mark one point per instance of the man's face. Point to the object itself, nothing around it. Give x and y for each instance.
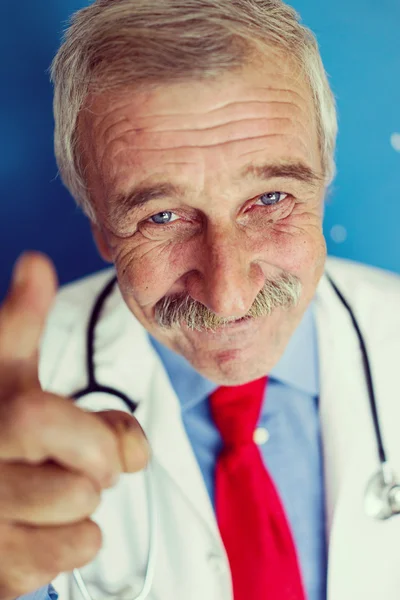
(206, 191)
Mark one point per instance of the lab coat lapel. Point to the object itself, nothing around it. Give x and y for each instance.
(363, 553)
(160, 417)
(125, 360)
(363, 557)
(140, 369)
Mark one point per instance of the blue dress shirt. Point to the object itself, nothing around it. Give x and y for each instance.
(292, 453)
(47, 592)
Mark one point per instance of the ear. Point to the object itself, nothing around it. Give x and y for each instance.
(101, 243)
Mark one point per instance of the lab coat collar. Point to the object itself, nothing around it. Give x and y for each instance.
(125, 360)
(190, 386)
(298, 366)
(358, 546)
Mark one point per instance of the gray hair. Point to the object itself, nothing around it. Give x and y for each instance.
(114, 44)
(281, 292)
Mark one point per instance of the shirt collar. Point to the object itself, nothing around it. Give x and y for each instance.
(189, 385)
(297, 368)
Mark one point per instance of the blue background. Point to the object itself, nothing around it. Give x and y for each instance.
(360, 45)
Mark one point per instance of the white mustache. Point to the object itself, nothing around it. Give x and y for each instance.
(172, 311)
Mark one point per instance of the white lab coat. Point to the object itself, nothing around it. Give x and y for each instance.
(364, 555)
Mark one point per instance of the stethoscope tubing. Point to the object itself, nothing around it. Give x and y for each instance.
(94, 387)
(367, 373)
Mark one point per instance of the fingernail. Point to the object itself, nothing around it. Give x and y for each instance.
(109, 480)
(20, 271)
(136, 453)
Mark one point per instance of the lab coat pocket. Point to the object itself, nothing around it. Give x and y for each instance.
(131, 590)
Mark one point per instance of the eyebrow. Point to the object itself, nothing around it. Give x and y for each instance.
(122, 204)
(298, 171)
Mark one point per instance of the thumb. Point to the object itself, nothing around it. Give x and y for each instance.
(24, 312)
(134, 449)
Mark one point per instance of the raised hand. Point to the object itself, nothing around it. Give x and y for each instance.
(55, 459)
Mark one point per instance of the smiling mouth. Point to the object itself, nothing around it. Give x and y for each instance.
(235, 321)
(220, 328)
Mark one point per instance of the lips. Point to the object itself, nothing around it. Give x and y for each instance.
(237, 324)
(236, 321)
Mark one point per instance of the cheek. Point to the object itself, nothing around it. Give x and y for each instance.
(299, 250)
(148, 272)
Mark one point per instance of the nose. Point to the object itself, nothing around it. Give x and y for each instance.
(226, 279)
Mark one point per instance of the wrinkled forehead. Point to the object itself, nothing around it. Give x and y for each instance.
(266, 106)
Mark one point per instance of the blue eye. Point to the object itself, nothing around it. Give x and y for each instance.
(162, 218)
(272, 198)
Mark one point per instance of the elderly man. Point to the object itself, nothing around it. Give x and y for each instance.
(198, 137)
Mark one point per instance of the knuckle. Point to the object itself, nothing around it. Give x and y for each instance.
(28, 416)
(92, 540)
(18, 573)
(10, 409)
(27, 409)
(107, 447)
(83, 497)
(88, 543)
(58, 559)
(74, 547)
(98, 451)
(27, 582)
(61, 554)
(32, 408)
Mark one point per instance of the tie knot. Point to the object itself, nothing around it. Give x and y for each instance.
(236, 410)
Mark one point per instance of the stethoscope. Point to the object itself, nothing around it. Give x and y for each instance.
(94, 387)
(382, 494)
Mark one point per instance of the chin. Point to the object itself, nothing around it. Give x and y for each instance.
(241, 352)
(231, 373)
(231, 359)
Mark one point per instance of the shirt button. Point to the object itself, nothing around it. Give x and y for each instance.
(261, 436)
(216, 562)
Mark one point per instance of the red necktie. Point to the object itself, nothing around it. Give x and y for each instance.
(250, 515)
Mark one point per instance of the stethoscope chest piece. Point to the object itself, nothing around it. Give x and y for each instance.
(382, 496)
